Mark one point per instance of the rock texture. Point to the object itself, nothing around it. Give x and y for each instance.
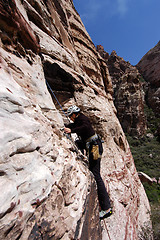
(47, 191)
(149, 66)
(128, 93)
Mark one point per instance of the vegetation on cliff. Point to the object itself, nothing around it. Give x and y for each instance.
(146, 154)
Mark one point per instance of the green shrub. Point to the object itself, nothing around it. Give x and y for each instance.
(155, 216)
(146, 154)
(153, 192)
(152, 120)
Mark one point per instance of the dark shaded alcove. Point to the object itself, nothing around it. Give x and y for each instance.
(60, 81)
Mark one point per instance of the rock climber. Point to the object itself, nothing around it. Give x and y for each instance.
(93, 145)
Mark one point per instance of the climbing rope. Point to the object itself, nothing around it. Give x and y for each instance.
(74, 145)
(81, 156)
(57, 100)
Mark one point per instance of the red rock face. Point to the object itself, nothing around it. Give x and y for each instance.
(48, 190)
(149, 66)
(128, 93)
(14, 23)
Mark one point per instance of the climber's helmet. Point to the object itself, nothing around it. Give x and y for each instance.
(73, 109)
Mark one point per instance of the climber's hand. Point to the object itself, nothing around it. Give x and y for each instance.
(67, 130)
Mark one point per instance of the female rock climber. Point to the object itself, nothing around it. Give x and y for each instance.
(92, 143)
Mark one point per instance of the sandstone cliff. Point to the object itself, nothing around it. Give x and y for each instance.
(47, 192)
(128, 93)
(149, 66)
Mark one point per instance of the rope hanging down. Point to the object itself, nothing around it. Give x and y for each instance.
(57, 100)
(62, 129)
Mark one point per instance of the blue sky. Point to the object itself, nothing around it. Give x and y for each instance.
(130, 27)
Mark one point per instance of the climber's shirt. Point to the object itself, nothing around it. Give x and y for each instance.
(82, 126)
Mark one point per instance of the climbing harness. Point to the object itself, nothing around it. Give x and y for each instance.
(92, 138)
(89, 140)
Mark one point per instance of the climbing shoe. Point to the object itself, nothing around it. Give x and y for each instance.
(105, 213)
